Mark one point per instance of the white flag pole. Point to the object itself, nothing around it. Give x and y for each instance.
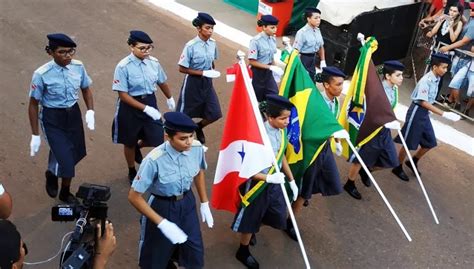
(417, 176)
(378, 189)
(266, 142)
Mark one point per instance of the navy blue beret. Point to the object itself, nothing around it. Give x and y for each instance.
(269, 20)
(394, 65)
(60, 40)
(312, 10)
(179, 122)
(441, 57)
(140, 36)
(333, 72)
(279, 101)
(206, 18)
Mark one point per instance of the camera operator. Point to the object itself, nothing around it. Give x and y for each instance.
(13, 250)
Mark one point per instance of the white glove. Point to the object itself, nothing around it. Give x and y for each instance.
(294, 189)
(451, 116)
(206, 214)
(342, 134)
(34, 144)
(277, 70)
(338, 148)
(211, 73)
(277, 178)
(171, 103)
(322, 64)
(172, 232)
(152, 112)
(394, 125)
(90, 120)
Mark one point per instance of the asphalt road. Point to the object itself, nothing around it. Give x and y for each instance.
(339, 232)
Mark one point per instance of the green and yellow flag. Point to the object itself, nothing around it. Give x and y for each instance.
(316, 121)
(366, 107)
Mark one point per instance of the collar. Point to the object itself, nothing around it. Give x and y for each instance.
(385, 85)
(432, 76)
(173, 153)
(326, 97)
(134, 59)
(309, 27)
(197, 39)
(270, 128)
(58, 67)
(263, 34)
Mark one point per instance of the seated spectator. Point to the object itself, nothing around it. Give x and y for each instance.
(448, 28)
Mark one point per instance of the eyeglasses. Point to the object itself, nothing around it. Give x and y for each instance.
(65, 52)
(145, 48)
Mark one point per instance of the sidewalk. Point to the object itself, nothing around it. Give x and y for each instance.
(246, 23)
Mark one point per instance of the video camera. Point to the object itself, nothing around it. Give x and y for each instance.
(79, 251)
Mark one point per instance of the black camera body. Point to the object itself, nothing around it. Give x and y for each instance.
(81, 246)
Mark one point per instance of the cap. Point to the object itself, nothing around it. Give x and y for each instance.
(394, 65)
(333, 72)
(279, 101)
(206, 18)
(269, 20)
(9, 244)
(179, 122)
(441, 57)
(140, 36)
(60, 40)
(312, 10)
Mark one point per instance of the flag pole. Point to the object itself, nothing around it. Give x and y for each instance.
(417, 175)
(266, 141)
(378, 189)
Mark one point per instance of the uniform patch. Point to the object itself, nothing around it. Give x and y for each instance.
(33, 87)
(116, 81)
(253, 51)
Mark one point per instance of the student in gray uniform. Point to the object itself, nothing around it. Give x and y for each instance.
(261, 50)
(198, 99)
(417, 129)
(137, 120)
(380, 151)
(169, 224)
(309, 42)
(56, 86)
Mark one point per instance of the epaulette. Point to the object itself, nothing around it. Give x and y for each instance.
(257, 37)
(196, 143)
(191, 42)
(76, 62)
(124, 62)
(212, 39)
(156, 153)
(153, 58)
(44, 68)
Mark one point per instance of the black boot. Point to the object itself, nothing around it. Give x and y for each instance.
(244, 256)
(415, 160)
(132, 172)
(51, 184)
(200, 134)
(364, 177)
(398, 171)
(290, 230)
(66, 196)
(351, 189)
(253, 240)
(138, 155)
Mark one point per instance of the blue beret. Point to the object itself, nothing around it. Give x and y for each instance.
(279, 101)
(312, 10)
(60, 40)
(140, 36)
(206, 18)
(179, 122)
(441, 57)
(394, 65)
(269, 20)
(333, 72)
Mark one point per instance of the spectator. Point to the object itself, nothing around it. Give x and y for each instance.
(448, 28)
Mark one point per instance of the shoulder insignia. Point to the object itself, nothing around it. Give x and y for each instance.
(44, 68)
(153, 58)
(76, 62)
(124, 62)
(156, 153)
(212, 39)
(196, 143)
(191, 42)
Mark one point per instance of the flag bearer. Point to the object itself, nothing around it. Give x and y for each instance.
(170, 225)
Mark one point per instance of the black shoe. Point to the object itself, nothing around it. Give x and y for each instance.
(68, 198)
(351, 189)
(290, 230)
(138, 155)
(306, 203)
(364, 178)
(247, 259)
(398, 171)
(132, 172)
(407, 163)
(253, 240)
(200, 135)
(51, 184)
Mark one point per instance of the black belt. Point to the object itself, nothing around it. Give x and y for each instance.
(171, 198)
(73, 107)
(143, 96)
(308, 54)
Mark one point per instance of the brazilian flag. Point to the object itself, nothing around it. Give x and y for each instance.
(366, 107)
(316, 122)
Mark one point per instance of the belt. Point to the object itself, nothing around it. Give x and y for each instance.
(308, 54)
(171, 198)
(143, 96)
(73, 107)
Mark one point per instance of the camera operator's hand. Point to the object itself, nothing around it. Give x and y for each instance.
(105, 245)
(172, 232)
